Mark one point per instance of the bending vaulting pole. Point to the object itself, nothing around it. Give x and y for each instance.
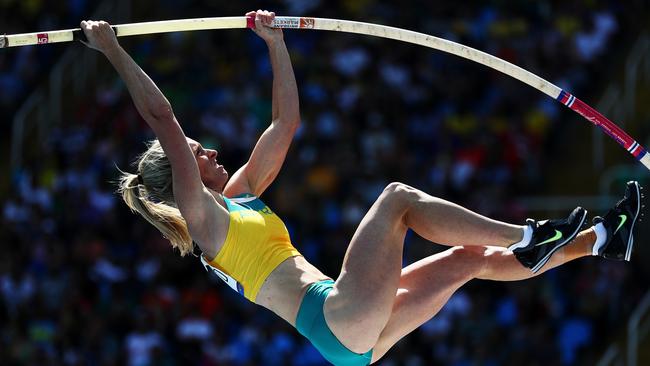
(370, 29)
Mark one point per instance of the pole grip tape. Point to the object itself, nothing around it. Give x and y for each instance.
(79, 35)
(250, 22)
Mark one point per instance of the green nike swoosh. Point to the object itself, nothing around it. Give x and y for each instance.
(558, 236)
(623, 219)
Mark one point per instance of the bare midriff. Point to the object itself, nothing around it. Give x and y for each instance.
(284, 288)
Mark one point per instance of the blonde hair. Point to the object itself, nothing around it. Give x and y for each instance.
(150, 193)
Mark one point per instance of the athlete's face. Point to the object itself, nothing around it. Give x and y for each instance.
(213, 175)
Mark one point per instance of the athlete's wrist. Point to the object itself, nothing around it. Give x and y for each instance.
(274, 41)
(112, 50)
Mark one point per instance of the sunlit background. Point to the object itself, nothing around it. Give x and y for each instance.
(85, 282)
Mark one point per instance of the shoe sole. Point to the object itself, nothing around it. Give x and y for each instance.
(630, 241)
(559, 245)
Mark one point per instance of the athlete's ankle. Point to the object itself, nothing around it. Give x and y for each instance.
(599, 233)
(524, 237)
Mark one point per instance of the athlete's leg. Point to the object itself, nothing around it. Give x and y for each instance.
(426, 285)
(503, 266)
(447, 223)
(361, 301)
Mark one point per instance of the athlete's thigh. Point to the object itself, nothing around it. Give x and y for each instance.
(425, 286)
(361, 301)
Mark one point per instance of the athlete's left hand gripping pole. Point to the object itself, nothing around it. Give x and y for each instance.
(130, 29)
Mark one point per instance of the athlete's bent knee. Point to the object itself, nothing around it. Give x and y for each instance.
(400, 191)
(399, 198)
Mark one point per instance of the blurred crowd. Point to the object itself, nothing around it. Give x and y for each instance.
(23, 68)
(85, 281)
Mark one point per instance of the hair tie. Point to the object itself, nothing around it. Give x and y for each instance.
(140, 181)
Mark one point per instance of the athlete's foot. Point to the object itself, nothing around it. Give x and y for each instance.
(615, 231)
(548, 236)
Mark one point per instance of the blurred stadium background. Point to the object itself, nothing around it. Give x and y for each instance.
(85, 282)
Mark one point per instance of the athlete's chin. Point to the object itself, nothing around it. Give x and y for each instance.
(222, 179)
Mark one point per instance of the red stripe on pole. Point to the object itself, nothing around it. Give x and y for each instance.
(598, 119)
(250, 22)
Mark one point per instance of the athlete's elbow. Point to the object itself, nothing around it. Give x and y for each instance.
(289, 114)
(162, 112)
(291, 121)
(295, 124)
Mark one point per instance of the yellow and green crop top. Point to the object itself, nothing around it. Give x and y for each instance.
(257, 242)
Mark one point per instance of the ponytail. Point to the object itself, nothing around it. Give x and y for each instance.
(150, 194)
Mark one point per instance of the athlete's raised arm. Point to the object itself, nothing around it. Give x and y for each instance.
(271, 149)
(194, 201)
